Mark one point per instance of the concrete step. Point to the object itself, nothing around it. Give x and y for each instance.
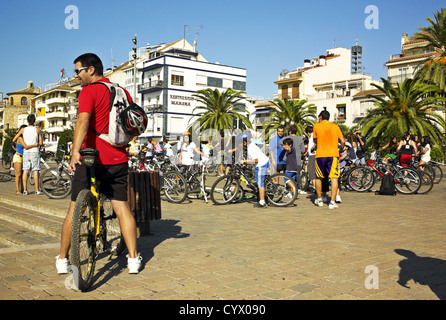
(25, 227)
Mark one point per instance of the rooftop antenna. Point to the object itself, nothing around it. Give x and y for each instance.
(112, 61)
(184, 32)
(334, 43)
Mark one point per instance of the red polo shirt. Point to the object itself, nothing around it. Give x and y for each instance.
(95, 100)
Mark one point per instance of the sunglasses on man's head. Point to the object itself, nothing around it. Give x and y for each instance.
(77, 71)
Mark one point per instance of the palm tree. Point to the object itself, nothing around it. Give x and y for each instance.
(219, 109)
(410, 105)
(291, 112)
(434, 69)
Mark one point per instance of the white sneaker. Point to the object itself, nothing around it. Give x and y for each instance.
(319, 203)
(332, 205)
(338, 199)
(289, 195)
(61, 265)
(302, 192)
(134, 264)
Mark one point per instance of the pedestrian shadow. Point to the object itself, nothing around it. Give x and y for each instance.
(160, 230)
(423, 270)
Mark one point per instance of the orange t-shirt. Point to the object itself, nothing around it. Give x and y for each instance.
(327, 134)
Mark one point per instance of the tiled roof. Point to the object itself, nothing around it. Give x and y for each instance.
(367, 92)
(414, 57)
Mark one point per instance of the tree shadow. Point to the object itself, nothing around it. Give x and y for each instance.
(160, 230)
(423, 270)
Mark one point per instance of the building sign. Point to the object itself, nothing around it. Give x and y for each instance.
(181, 100)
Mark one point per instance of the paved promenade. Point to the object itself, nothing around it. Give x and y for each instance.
(202, 251)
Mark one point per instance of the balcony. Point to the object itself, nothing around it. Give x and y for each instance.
(151, 85)
(58, 100)
(57, 114)
(400, 78)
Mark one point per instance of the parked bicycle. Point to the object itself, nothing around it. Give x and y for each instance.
(95, 227)
(56, 183)
(228, 189)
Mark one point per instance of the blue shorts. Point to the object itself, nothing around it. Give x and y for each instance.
(327, 167)
(260, 175)
(291, 174)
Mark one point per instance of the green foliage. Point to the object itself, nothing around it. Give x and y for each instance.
(437, 154)
(219, 109)
(296, 111)
(65, 136)
(9, 134)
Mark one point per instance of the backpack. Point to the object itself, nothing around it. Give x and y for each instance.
(117, 135)
(387, 186)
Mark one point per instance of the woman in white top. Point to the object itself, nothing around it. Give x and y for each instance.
(426, 152)
(187, 150)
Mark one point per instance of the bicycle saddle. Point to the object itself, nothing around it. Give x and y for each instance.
(89, 156)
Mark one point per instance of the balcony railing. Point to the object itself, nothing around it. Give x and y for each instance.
(400, 78)
(150, 85)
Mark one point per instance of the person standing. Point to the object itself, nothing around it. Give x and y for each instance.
(112, 167)
(276, 152)
(326, 136)
(299, 149)
(32, 136)
(311, 156)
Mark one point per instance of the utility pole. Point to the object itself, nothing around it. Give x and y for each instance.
(134, 67)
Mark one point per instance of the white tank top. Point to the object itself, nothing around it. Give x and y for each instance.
(30, 136)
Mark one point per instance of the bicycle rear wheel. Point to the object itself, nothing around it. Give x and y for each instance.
(6, 162)
(280, 190)
(437, 172)
(224, 189)
(175, 186)
(55, 184)
(83, 242)
(407, 180)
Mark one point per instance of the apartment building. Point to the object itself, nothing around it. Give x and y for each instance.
(170, 76)
(333, 81)
(405, 64)
(56, 111)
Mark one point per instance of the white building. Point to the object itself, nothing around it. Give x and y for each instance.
(170, 76)
(56, 111)
(333, 82)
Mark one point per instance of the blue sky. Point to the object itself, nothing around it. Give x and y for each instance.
(262, 36)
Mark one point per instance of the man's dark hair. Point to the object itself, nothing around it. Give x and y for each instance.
(309, 129)
(91, 60)
(31, 119)
(281, 127)
(292, 129)
(288, 141)
(325, 115)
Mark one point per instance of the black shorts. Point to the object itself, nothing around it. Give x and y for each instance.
(113, 181)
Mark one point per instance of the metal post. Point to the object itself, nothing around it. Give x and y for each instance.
(134, 67)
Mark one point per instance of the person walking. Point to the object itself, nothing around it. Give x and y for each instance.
(326, 136)
(112, 167)
(32, 136)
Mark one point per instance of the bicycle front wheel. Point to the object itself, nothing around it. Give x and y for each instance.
(224, 190)
(360, 179)
(175, 186)
(83, 242)
(55, 184)
(280, 190)
(5, 176)
(407, 181)
(6, 162)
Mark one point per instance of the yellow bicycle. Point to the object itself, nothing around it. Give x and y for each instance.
(95, 226)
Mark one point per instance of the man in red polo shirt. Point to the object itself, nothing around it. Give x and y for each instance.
(112, 168)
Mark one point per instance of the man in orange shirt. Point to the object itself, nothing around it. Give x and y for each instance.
(326, 136)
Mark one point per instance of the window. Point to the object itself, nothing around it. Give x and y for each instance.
(23, 101)
(215, 82)
(177, 80)
(341, 111)
(239, 85)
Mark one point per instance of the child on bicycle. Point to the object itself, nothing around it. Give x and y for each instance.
(255, 155)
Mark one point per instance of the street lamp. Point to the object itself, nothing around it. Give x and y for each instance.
(134, 66)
